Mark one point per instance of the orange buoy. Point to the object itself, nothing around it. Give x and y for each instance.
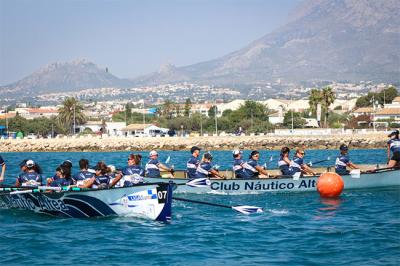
(330, 185)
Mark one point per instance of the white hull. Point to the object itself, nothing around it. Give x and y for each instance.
(388, 178)
(149, 201)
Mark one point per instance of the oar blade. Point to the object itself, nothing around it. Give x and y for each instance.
(248, 209)
(168, 160)
(199, 182)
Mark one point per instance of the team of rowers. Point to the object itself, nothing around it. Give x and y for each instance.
(106, 176)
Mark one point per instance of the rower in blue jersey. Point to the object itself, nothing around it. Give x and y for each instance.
(31, 177)
(64, 177)
(193, 162)
(205, 168)
(133, 173)
(284, 161)
(342, 161)
(238, 163)
(298, 165)
(252, 169)
(393, 147)
(65, 164)
(153, 166)
(101, 179)
(3, 168)
(84, 174)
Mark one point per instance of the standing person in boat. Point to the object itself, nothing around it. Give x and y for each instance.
(205, 168)
(342, 161)
(193, 162)
(32, 177)
(101, 179)
(393, 147)
(284, 161)
(153, 166)
(84, 174)
(63, 178)
(238, 163)
(298, 165)
(252, 169)
(3, 168)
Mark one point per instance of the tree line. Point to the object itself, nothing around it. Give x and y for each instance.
(249, 117)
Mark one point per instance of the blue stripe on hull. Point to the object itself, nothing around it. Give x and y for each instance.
(83, 207)
(96, 203)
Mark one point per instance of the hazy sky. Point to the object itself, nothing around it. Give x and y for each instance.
(131, 38)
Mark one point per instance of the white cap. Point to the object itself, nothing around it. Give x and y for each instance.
(30, 163)
(152, 153)
(236, 152)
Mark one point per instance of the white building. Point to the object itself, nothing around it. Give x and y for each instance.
(115, 128)
(144, 130)
(276, 118)
(234, 105)
(276, 104)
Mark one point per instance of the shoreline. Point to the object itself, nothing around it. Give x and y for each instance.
(92, 144)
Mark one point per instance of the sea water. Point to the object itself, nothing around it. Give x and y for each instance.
(362, 227)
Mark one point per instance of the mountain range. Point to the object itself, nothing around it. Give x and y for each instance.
(323, 40)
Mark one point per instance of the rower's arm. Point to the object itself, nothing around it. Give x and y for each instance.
(308, 169)
(287, 160)
(215, 173)
(17, 184)
(261, 170)
(116, 180)
(89, 183)
(352, 165)
(165, 168)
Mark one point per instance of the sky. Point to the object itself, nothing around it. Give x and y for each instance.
(131, 38)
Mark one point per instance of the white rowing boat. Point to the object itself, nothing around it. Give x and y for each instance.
(374, 179)
(149, 201)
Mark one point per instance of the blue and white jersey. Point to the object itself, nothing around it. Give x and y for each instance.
(238, 168)
(133, 170)
(394, 145)
(1, 161)
(341, 163)
(30, 179)
(152, 169)
(284, 166)
(191, 166)
(101, 180)
(61, 182)
(82, 175)
(203, 170)
(295, 164)
(250, 168)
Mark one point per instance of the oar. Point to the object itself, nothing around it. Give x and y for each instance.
(242, 209)
(268, 162)
(316, 162)
(167, 160)
(381, 169)
(23, 190)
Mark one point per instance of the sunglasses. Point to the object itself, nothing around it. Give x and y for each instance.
(302, 153)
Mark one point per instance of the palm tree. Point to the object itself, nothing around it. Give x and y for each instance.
(70, 112)
(314, 99)
(167, 108)
(328, 97)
